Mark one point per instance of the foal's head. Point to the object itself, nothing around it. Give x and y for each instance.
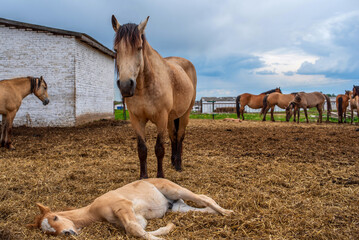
(52, 223)
(129, 45)
(39, 88)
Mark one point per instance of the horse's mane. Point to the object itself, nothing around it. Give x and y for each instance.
(294, 93)
(33, 83)
(130, 33)
(270, 91)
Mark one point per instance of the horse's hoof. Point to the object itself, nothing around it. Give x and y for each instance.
(178, 169)
(143, 177)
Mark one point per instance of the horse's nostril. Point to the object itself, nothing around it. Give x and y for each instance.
(132, 82)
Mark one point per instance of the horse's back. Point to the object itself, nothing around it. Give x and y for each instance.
(312, 99)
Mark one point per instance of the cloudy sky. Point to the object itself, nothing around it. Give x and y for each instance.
(236, 45)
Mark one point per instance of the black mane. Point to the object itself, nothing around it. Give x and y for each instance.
(270, 91)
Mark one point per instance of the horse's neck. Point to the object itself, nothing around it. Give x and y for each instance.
(23, 86)
(152, 62)
(80, 217)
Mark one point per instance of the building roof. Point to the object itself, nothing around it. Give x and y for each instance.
(218, 99)
(80, 36)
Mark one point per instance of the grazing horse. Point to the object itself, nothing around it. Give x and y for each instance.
(309, 100)
(253, 101)
(342, 102)
(156, 89)
(129, 207)
(279, 99)
(12, 92)
(354, 105)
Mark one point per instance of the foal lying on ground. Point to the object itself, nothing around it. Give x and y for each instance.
(129, 206)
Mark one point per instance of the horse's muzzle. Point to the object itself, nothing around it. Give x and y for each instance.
(46, 101)
(127, 87)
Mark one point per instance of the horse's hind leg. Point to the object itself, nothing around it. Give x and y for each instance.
(175, 192)
(306, 114)
(241, 110)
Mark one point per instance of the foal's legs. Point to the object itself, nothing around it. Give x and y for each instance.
(125, 213)
(173, 191)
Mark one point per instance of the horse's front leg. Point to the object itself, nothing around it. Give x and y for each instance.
(3, 129)
(160, 148)
(139, 127)
(271, 114)
(8, 129)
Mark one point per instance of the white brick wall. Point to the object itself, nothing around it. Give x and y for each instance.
(59, 60)
(94, 81)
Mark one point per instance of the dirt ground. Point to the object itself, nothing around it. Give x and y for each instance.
(283, 180)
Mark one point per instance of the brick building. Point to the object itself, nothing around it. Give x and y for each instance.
(79, 72)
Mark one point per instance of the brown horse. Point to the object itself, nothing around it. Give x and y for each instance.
(309, 100)
(354, 105)
(253, 101)
(342, 102)
(279, 99)
(156, 89)
(355, 91)
(12, 92)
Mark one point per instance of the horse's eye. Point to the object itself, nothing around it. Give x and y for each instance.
(56, 218)
(140, 48)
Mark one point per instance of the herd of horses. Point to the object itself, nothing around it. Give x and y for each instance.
(293, 102)
(162, 91)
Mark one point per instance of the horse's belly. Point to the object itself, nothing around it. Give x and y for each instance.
(155, 205)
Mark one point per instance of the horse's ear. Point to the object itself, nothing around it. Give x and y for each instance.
(43, 209)
(115, 23)
(41, 78)
(142, 25)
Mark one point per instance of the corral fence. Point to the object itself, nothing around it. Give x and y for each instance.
(230, 107)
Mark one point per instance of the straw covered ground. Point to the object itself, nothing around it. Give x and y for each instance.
(283, 180)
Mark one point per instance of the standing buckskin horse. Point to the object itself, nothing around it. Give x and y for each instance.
(354, 105)
(156, 89)
(12, 92)
(253, 101)
(129, 207)
(309, 100)
(342, 102)
(279, 99)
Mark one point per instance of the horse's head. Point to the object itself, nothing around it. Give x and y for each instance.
(53, 223)
(355, 91)
(39, 88)
(278, 90)
(129, 46)
(289, 111)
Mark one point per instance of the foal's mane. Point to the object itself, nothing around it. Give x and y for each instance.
(270, 91)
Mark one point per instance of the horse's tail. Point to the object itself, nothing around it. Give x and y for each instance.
(265, 103)
(238, 106)
(329, 106)
(340, 106)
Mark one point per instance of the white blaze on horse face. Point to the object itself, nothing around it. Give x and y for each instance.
(46, 227)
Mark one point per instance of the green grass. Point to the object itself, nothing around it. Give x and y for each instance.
(279, 117)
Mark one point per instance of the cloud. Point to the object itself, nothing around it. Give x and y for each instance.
(266, 72)
(337, 38)
(289, 73)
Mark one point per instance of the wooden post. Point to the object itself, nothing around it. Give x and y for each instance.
(212, 108)
(124, 108)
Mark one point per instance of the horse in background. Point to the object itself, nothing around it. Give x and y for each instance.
(354, 105)
(253, 101)
(156, 89)
(279, 99)
(12, 92)
(309, 100)
(355, 91)
(342, 102)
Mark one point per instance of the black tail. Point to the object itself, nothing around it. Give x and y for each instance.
(238, 106)
(265, 103)
(340, 109)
